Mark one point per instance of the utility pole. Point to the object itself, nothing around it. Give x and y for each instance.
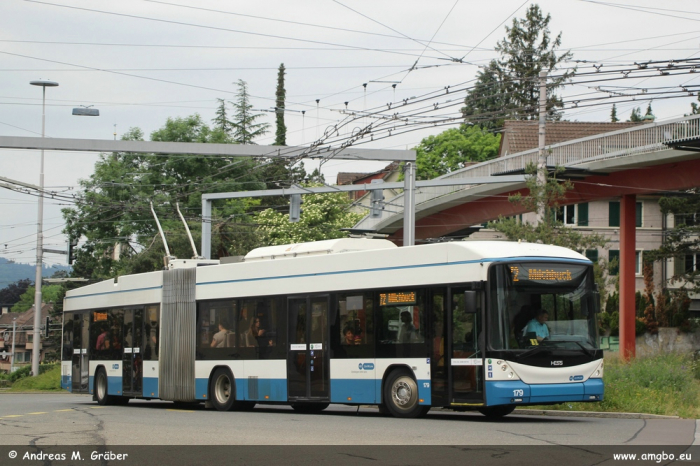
(12, 356)
(542, 158)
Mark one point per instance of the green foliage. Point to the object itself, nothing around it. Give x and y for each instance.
(49, 379)
(14, 291)
(49, 294)
(613, 115)
(684, 238)
(322, 217)
(550, 230)
(244, 120)
(508, 87)
(221, 121)
(280, 94)
(636, 115)
(113, 212)
(665, 384)
(448, 151)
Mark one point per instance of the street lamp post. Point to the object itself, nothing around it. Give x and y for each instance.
(36, 350)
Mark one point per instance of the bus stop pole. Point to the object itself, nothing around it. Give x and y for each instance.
(409, 203)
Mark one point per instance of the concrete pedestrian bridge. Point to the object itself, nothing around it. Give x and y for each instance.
(660, 156)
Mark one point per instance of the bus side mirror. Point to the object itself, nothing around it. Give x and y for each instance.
(470, 302)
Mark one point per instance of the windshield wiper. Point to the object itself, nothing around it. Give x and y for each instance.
(534, 350)
(585, 350)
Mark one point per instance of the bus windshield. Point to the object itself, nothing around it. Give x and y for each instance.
(536, 304)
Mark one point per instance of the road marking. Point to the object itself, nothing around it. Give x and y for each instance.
(181, 410)
(63, 410)
(40, 412)
(14, 415)
(96, 407)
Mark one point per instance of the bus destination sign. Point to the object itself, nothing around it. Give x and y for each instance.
(397, 299)
(546, 274)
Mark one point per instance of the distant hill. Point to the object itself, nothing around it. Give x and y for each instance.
(10, 272)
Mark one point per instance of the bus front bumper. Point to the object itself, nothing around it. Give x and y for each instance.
(519, 393)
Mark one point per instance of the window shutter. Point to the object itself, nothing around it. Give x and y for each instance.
(614, 254)
(583, 216)
(592, 254)
(614, 214)
(638, 214)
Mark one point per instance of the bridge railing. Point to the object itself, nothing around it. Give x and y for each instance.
(623, 143)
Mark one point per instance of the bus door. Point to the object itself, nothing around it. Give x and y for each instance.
(80, 373)
(466, 349)
(132, 375)
(308, 375)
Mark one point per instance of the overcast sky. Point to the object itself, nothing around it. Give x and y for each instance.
(140, 62)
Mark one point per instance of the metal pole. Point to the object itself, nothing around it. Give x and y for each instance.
(206, 228)
(542, 159)
(36, 350)
(409, 203)
(12, 356)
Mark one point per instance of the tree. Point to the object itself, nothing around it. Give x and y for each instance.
(448, 151)
(613, 115)
(281, 129)
(221, 121)
(550, 230)
(49, 294)
(649, 112)
(245, 127)
(113, 218)
(509, 87)
(682, 242)
(13, 292)
(322, 217)
(636, 115)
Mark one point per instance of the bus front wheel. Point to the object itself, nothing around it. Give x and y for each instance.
(495, 412)
(101, 387)
(401, 395)
(223, 390)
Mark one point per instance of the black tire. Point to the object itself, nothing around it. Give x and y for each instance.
(496, 412)
(101, 389)
(309, 408)
(223, 390)
(382, 410)
(401, 395)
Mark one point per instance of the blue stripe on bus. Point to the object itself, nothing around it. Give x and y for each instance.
(91, 384)
(67, 382)
(268, 389)
(500, 393)
(384, 269)
(150, 387)
(114, 385)
(353, 391)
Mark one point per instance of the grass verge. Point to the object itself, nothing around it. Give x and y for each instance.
(666, 384)
(49, 380)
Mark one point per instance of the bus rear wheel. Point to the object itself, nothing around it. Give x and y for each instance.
(101, 388)
(401, 395)
(495, 412)
(223, 390)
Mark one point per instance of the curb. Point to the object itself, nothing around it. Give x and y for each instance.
(554, 413)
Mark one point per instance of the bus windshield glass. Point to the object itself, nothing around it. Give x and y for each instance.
(542, 303)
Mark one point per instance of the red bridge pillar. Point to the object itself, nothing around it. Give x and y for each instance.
(628, 241)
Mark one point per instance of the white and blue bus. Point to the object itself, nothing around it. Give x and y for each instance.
(351, 321)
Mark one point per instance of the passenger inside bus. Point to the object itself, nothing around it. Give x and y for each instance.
(406, 329)
(219, 339)
(349, 335)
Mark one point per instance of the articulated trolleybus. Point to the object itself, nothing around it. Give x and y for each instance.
(351, 321)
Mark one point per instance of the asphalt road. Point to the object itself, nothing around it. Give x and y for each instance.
(66, 419)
